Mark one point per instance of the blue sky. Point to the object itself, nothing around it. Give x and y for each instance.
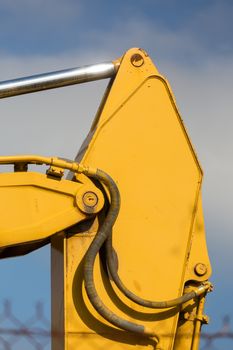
(58, 26)
(189, 41)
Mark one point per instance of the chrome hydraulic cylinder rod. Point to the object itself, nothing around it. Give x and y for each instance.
(57, 79)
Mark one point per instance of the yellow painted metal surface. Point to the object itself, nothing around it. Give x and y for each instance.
(35, 206)
(82, 327)
(138, 138)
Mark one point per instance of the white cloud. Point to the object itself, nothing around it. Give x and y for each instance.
(205, 98)
(52, 122)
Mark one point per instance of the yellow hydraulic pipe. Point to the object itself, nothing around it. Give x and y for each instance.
(198, 324)
(39, 160)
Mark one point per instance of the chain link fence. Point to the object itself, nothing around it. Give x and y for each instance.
(35, 333)
(31, 334)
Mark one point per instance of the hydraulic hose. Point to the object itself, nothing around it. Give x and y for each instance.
(101, 236)
(104, 235)
(146, 303)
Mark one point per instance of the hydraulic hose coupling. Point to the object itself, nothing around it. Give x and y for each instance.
(206, 287)
(86, 170)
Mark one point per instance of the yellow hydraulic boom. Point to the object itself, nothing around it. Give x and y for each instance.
(129, 266)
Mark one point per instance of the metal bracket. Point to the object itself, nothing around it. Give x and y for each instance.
(190, 316)
(55, 172)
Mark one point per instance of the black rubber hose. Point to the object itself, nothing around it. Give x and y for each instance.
(147, 303)
(101, 236)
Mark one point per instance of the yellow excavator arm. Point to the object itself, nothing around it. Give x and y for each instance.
(129, 260)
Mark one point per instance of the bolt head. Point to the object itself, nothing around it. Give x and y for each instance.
(205, 319)
(90, 199)
(200, 269)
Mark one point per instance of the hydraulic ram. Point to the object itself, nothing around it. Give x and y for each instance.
(57, 79)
